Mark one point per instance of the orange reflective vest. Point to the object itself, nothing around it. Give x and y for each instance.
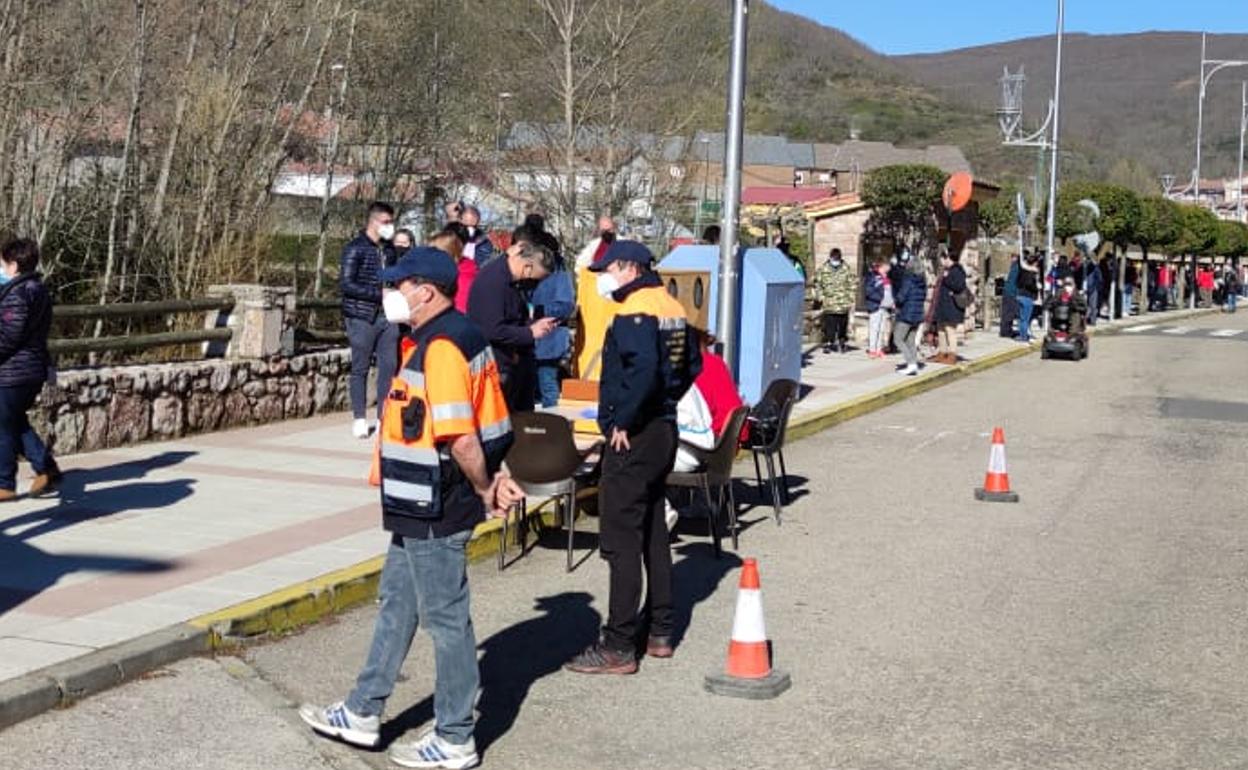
(447, 386)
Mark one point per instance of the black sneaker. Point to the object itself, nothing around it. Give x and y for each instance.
(600, 659)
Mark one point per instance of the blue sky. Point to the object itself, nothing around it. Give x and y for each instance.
(914, 26)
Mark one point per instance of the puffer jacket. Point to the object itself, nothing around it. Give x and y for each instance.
(359, 278)
(25, 319)
(911, 297)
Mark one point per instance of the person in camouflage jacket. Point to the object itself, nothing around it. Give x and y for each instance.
(837, 289)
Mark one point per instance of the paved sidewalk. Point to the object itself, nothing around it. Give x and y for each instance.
(150, 536)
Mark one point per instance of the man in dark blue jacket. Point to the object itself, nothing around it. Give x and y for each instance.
(650, 358)
(498, 303)
(368, 332)
(25, 319)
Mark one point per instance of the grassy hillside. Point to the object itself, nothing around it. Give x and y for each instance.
(1125, 97)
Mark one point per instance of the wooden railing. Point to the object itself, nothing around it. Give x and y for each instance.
(306, 308)
(137, 342)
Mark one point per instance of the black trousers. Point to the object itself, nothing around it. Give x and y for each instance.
(835, 327)
(633, 533)
(1009, 314)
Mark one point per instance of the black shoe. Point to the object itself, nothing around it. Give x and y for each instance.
(660, 647)
(600, 659)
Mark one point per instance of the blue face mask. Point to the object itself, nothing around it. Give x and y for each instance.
(4, 278)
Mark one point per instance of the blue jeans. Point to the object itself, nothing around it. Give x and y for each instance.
(1231, 300)
(424, 580)
(548, 382)
(379, 338)
(1025, 307)
(17, 435)
(1127, 295)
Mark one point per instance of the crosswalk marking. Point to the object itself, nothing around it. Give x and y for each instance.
(1227, 333)
(1177, 330)
(1140, 328)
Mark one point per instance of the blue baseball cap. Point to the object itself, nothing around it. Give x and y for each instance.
(623, 251)
(425, 263)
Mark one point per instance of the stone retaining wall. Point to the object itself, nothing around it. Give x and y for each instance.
(92, 409)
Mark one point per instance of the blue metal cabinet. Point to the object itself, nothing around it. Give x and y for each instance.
(769, 329)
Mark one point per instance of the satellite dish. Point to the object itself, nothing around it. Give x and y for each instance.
(958, 191)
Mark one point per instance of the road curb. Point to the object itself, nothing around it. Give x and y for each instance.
(62, 684)
(304, 603)
(811, 424)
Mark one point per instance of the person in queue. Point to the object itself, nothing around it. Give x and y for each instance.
(650, 359)
(363, 259)
(445, 432)
(498, 303)
(25, 320)
(478, 247)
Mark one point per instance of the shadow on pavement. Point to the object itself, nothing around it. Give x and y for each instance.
(28, 570)
(695, 578)
(512, 661)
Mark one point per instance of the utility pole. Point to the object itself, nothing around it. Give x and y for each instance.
(730, 263)
(1239, 180)
(1053, 170)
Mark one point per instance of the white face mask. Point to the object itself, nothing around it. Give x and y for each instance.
(607, 285)
(386, 232)
(395, 306)
(472, 231)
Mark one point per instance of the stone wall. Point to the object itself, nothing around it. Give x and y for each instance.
(92, 409)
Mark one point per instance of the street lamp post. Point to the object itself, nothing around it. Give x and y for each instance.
(706, 170)
(729, 256)
(1053, 170)
(1239, 180)
(1010, 117)
(498, 133)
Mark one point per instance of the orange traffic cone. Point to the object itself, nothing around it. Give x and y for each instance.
(996, 487)
(749, 673)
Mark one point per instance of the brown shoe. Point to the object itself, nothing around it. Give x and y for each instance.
(600, 659)
(7, 495)
(660, 647)
(45, 482)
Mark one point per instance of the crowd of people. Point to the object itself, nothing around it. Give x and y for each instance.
(465, 336)
(894, 291)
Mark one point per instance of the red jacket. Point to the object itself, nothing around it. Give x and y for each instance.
(467, 274)
(718, 388)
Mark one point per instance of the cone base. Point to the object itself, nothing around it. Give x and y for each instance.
(768, 687)
(996, 497)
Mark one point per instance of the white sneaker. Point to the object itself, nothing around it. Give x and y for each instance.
(359, 428)
(912, 370)
(337, 721)
(432, 750)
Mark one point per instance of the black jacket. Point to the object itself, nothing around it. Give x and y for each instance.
(359, 277)
(953, 282)
(501, 310)
(25, 319)
(650, 358)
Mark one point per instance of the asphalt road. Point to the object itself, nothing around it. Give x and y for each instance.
(1099, 623)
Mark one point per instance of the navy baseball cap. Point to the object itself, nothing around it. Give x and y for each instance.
(623, 251)
(425, 263)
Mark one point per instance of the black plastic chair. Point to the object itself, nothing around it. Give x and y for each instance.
(769, 424)
(545, 462)
(715, 472)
